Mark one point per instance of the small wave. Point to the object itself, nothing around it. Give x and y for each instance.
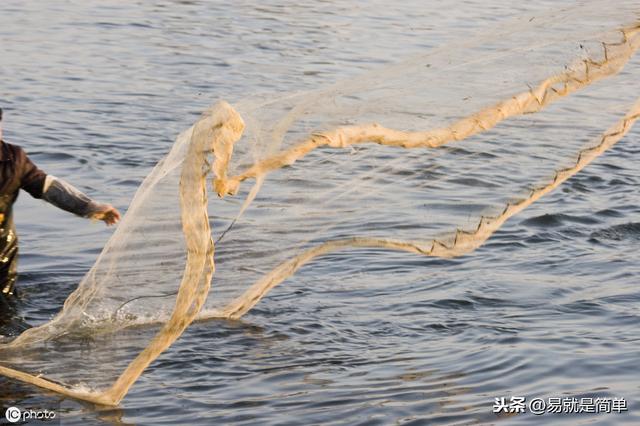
(553, 220)
(619, 232)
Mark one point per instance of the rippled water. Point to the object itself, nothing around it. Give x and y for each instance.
(548, 307)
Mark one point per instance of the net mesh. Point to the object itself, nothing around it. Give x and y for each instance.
(429, 156)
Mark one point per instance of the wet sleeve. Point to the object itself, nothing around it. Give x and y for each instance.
(31, 177)
(66, 197)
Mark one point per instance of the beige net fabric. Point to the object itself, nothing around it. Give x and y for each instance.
(388, 161)
(152, 277)
(355, 165)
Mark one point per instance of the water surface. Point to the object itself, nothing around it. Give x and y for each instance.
(96, 93)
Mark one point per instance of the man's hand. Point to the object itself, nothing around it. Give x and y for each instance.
(106, 212)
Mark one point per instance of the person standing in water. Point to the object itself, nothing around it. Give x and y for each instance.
(17, 172)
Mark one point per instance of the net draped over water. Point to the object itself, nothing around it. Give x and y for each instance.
(257, 190)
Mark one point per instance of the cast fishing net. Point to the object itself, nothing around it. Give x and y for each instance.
(428, 156)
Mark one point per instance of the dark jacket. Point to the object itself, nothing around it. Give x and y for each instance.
(17, 172)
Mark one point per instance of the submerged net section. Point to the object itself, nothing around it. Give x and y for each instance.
(429, 156)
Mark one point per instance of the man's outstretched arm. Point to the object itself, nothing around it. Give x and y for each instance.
(65, 196)
(60, 193)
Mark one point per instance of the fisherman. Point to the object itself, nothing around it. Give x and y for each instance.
(18, 172)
